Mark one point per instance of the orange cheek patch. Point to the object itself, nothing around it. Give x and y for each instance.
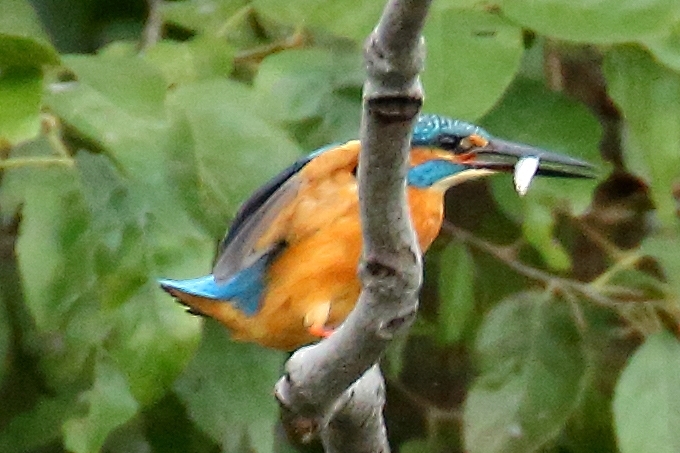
(420, 155)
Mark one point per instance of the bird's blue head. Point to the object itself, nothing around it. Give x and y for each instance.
(442, 132)
(447, 152)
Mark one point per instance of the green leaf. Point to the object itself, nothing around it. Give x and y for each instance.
(590, 427)
(54, 254)
(227, 390)
(472, 56)
(89, 243)
(198, 59)
(127, 82)
(152, 340)
(649, 96)
(110, 405)
(213, 17)
(537, 226)
(647, 398)
(118, 103)
(594, 21)
(303, 85)
(51, 242)
(319, 89)
(296, 85)
(339, 123)
(20, 19)
(488, 290)
(666, 47)
(39, 425)
(643, 284)
(664, 248)
(351, 19)
(5, 337)
(118, 218)
(456, 292)
(533, 364)
(22, 41)
(221, 143)
(20, 96)
(415, 446)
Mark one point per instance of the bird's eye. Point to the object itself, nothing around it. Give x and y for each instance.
(449, 142)
(466, 144)
(461, 144)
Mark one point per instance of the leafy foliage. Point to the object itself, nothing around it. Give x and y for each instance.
(646, 395)
(532, 368)
(548, 323)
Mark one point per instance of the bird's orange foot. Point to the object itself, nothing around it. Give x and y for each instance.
(316, 318)
(320, 331)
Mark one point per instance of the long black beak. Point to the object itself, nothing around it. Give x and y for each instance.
(502, 155)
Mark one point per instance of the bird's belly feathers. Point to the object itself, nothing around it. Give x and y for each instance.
(321, 269)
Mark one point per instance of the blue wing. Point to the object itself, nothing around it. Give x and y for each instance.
(252, 220)
(255, 216)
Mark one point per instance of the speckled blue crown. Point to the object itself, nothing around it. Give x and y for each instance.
(429, 127)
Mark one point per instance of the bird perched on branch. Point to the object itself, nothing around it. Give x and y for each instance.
(287, 270)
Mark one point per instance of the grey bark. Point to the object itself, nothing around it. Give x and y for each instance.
(336, 385)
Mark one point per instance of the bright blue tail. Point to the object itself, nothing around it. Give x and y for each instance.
(201, 287)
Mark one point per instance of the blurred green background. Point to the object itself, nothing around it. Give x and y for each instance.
(131, 131)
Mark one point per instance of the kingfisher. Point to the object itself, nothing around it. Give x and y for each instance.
(286, 273)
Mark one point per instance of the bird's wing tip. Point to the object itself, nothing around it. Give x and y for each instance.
(202, 286)
(166, 284)
(170, 286)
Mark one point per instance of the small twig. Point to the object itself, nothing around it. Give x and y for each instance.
(597, 237)
(154, 24)
(500, 253)
(641, 319)
(628, 261)
(627, 302)
(622, 259)
(51, 129)
(47, 161)
(52, 132)
(235, 20)
(295, 41)
(623, 294)
(545, 278)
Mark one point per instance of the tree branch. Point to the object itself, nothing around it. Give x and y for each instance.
(318, 378)
(153, 27)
